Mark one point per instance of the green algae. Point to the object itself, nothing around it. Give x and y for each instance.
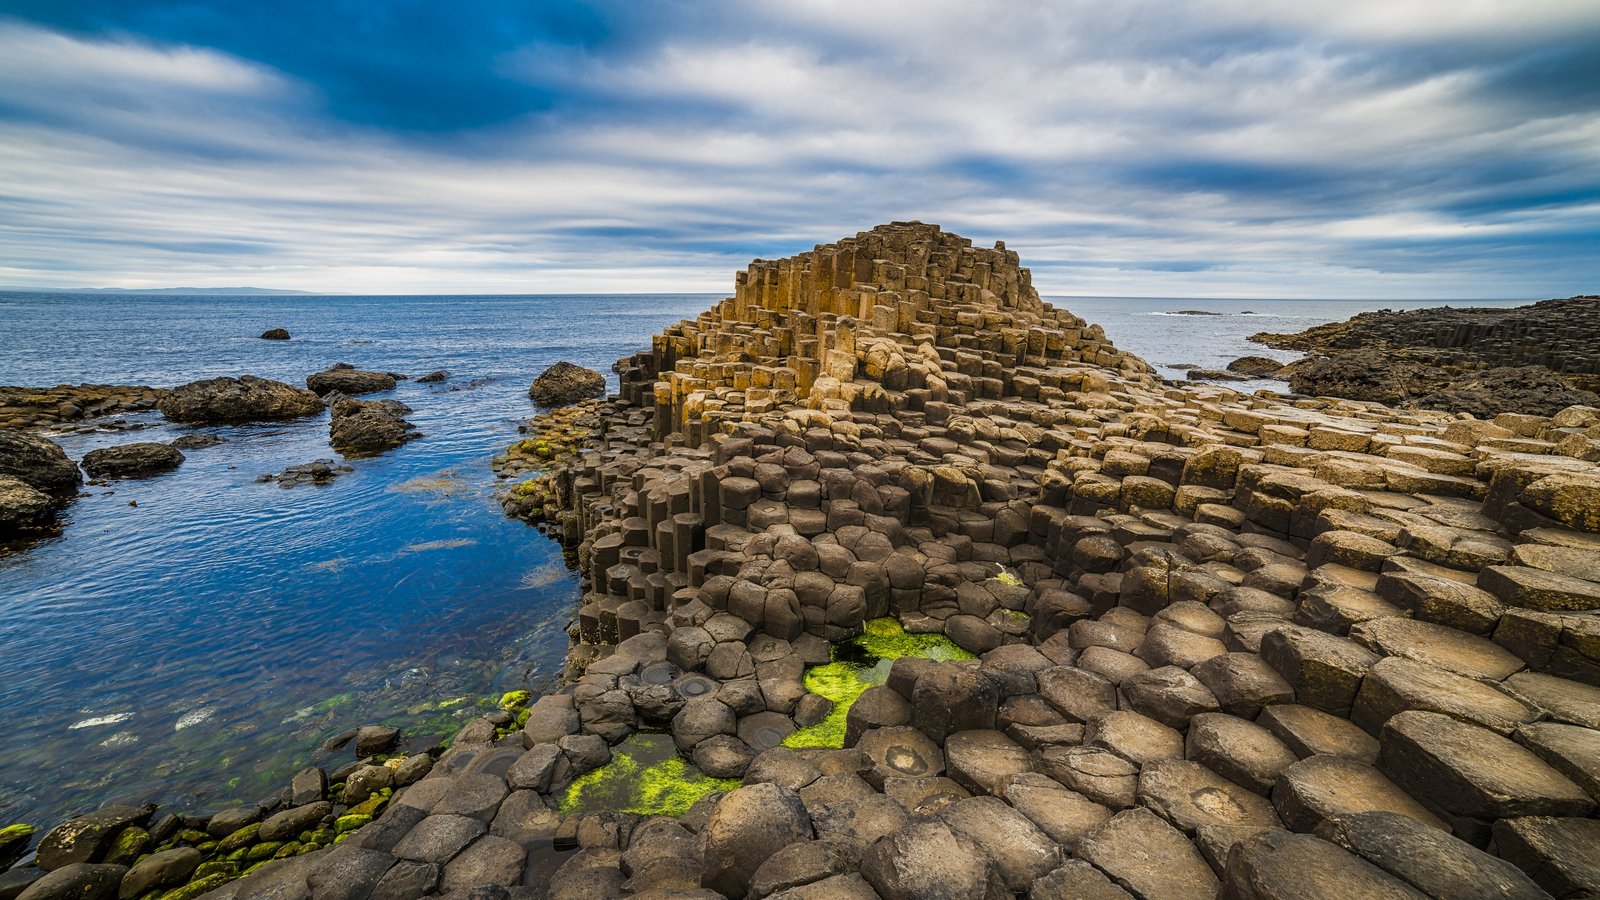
(645, 776)
(859, 664)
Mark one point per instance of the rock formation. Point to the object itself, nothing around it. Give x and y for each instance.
(275, 334)
(1535, 359)
(137, 460)
(367, 427)
(1193, 642)
(347, 379)
(23, 407)
(565, 383)
(234, 400)
(36, 479)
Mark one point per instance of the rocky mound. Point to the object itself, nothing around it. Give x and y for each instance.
(367, 427)
(346, 379)
(23, 507)
(1536, 359)
(139, 460)
(565, 383)
(275, 334)
(232, 400)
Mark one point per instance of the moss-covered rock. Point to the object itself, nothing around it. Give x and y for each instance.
(645, 776)
(198, 887)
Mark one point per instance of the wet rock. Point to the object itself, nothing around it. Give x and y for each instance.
(85, 838)
(39, 463)
(275, 334)
(197, 441)
(287, 825)
(349, 381)
(565, 383)
(372, 740)
(167, 868)
(365, 427)
(77, 881)
(243, 399)
(22, 506)
(139, 460)
(1255, 366)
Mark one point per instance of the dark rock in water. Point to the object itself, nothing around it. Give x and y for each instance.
(196, 441)
(243, 399)
(13, 843)
(1255, 366)
(132, 460)
(433, 377)
(1214, 375)
(1183, 367)
(365, 427)
(1197, 312)
(319, 471)
(275, 334)
(349, 380)
(1357, 375)
(565, 383)
(38, 461)
(374, 739)
(87, 837)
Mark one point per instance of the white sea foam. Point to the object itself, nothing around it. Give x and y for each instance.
(194, 717)
(97, 721)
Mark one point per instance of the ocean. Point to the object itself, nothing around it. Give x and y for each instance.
(191, 638)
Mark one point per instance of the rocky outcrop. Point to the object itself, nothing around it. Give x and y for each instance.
(1256, 366)
(565, 383)
(1536, 359)
(235, 400)
(367, 427)
(345, 379)
(138, 460)
(36, 480)
(22, 407)
(275, 334)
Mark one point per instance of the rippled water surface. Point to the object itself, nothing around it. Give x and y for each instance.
(192, 637)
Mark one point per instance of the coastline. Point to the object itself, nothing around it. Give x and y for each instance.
(1096, 482)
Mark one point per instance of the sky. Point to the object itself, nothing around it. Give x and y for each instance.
(1354, 148)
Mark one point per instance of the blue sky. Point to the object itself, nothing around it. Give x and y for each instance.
(1360, 148)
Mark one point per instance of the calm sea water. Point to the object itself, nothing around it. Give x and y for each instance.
(190, 638)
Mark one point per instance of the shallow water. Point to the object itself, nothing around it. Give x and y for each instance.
(195, 647)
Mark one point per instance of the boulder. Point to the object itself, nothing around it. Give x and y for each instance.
(928, 860)
(22, 506)
(138, 460)
(243, 399)
(365, 427)
(77, 881)
(39, 463)
(275, 334)
(565, 383)
(86, 838)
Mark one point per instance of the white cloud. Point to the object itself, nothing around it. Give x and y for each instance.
(1080, 133)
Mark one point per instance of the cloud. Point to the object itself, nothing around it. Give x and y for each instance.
(1208, 148)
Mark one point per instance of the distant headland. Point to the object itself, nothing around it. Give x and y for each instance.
(197, 291)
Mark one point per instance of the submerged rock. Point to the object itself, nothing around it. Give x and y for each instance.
(319, 471)
(565, 383)
(196, 441)
(132, 460)
(346, 379)
(275, 334)
(433, 377)
(243, 399)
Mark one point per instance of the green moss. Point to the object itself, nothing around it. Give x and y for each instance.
(351, 822)
(129, 844)
(263, 851)
(18, 832)
(514, 699)
(197, 887)
(645, 776)
(863, 663)
(1007, 576)
(241, 838)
